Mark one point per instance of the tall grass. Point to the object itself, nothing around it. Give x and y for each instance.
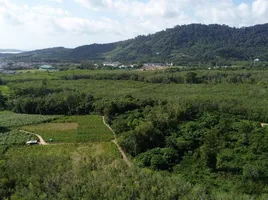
(8, 119)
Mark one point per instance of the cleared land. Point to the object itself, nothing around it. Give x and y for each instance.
(54, 126)
(69, 129)
(4, 89)
(8, 119)
(41, 140)
(73, 129)
(14, 137)
(60, 126)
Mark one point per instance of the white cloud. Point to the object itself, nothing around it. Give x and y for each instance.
(50, 26)
(152, 8)
(39, 26)
(8, 16)
(93, 4)
(260, 11)
(85, 26)
(56, 1)
(203, 11)
(223, 12)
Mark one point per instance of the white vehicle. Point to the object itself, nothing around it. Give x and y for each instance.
(32, 142)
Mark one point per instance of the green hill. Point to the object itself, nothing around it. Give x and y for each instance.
(181, 44)
(195, 42)
(58, 53)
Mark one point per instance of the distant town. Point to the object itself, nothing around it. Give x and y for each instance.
(12, 67)
(9, 66)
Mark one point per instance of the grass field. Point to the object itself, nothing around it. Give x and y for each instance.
(4, 89)
(106, 151)
(15, 137)
(8, 119)
(10, 124)
(73, 129)
(28, 71)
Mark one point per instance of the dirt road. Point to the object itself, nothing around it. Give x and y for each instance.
(125, 158)
(264, 124)
(41, 140)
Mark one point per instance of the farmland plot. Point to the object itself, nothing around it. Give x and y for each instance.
(15, 120)
(69, 129)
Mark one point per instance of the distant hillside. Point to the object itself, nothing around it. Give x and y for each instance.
(187, 43)
(93, 51)
(9, 52)
(181, 44)
(59, 53)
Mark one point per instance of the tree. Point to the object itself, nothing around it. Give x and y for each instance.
(191, 78)
(210, 149)
(2, 101)
(1, 81)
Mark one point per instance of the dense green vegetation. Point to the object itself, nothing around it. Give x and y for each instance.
(193, 44)
(90, 171)
(191, 134)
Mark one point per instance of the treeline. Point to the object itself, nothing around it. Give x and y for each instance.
(68, 103)
(178, 78)
(43, 99)
(2, 82)
(3, 101)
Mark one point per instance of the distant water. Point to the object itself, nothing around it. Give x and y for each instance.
(9, 52)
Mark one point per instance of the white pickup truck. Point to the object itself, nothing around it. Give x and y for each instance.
(32, 142)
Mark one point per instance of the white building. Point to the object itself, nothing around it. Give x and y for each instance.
(111, 64)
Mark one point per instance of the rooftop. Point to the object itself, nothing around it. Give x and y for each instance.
(47, 67)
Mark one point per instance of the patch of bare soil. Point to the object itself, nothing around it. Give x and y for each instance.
(61, 126)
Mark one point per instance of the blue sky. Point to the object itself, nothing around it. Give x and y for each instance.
(34, 24)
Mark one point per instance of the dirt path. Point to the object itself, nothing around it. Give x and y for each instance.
(41, 140)
(264, 124)
(125, 158)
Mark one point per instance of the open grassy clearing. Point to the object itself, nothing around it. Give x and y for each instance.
(53, 132)
(10, 123)
(28, 71)
(8, 119)
(106, 151)
(61, 126)
(5, 112)
(15, 137)
(4, 89)
(73, 129)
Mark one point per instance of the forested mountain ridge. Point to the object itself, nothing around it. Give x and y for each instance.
(59, 53)
(198, 42)
(195, 42)
(181, 44)
(93, 51)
